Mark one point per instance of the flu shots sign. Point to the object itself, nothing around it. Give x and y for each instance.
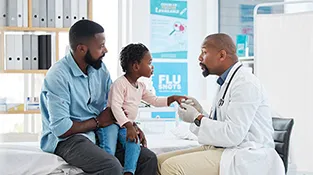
(169, 79)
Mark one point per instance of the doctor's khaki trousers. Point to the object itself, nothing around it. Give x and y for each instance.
(203, 160)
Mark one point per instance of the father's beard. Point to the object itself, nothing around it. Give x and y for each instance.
(94, 63)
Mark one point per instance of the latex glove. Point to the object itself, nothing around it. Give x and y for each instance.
(193, 102)
(188, 113)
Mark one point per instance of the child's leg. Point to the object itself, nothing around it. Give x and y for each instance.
(108, 138)
(132, 151)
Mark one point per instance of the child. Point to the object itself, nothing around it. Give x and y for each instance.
(124, 98)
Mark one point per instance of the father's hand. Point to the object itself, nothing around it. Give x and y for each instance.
(106, 118)
(141, 136)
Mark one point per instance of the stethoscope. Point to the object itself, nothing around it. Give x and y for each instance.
(221, 101)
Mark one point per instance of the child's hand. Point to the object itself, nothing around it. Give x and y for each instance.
(180, 99)
(141, 136)
(131, 133)
(177, 98)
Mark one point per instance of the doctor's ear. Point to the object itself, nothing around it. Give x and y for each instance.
(223, 54)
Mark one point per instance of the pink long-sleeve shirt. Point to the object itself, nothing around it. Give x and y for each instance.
(123, 95)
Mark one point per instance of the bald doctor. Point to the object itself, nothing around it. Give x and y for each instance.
(236, 136)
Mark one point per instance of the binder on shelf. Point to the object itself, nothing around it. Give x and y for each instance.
(18, 50)
(49, 51)
(25, 13)
(34, 52)
(20, 15)
(9, 52)
(43, 13)
(27, 52)
(3, 13)
(66, 13)
(51, 13)
(82, 9)
(12, 12)
(35, 13)
(58, 13)
(42, 51)
(74, 11)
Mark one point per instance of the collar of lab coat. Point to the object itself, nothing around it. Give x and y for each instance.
(231, 72)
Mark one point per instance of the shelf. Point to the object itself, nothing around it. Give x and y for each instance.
(250, 58)
(26, 71)
(21, 112)
(33, 29)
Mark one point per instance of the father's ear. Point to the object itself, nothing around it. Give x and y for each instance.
(81, 49)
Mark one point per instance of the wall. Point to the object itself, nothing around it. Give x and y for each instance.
(289, 98)
(202, 20)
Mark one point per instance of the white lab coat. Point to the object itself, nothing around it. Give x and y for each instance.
(243, 127)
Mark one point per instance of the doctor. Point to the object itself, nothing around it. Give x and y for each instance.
(237, 134)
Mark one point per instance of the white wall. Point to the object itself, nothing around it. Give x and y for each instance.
(105, 12)
(300, 152)
(202, 20)
(292, 96)
(295, 8)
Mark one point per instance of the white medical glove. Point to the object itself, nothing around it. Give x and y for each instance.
(187, 113)
(193, 102)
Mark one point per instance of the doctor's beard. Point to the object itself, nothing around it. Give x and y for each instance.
(206, 71)
(94, 63)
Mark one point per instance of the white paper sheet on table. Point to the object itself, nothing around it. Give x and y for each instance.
(28, 158)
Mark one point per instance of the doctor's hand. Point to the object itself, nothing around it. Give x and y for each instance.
(188, 113)
(193, 102)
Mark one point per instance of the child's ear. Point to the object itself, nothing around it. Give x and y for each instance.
(136, 66)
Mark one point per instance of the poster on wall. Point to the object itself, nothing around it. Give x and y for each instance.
(246, 22)
(168, 35)
(169, 79)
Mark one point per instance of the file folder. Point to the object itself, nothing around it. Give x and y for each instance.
(18, 50)
(9, 52)
(12, 12)
(43, 13)
(66, 13)
(3, 13)
(20, 15)
(51, 13)
(25, 13)
(35, 13)
(82, 9)
(58, 13)
(42, 51)
(27, 52)
(74, 11)
(34, 52)
(49, 51)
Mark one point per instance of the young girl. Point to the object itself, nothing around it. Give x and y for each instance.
(124, 98)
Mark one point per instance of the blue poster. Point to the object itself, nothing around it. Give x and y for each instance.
(247, 12)
(246, 20)
(168, 19)
(169, 79)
